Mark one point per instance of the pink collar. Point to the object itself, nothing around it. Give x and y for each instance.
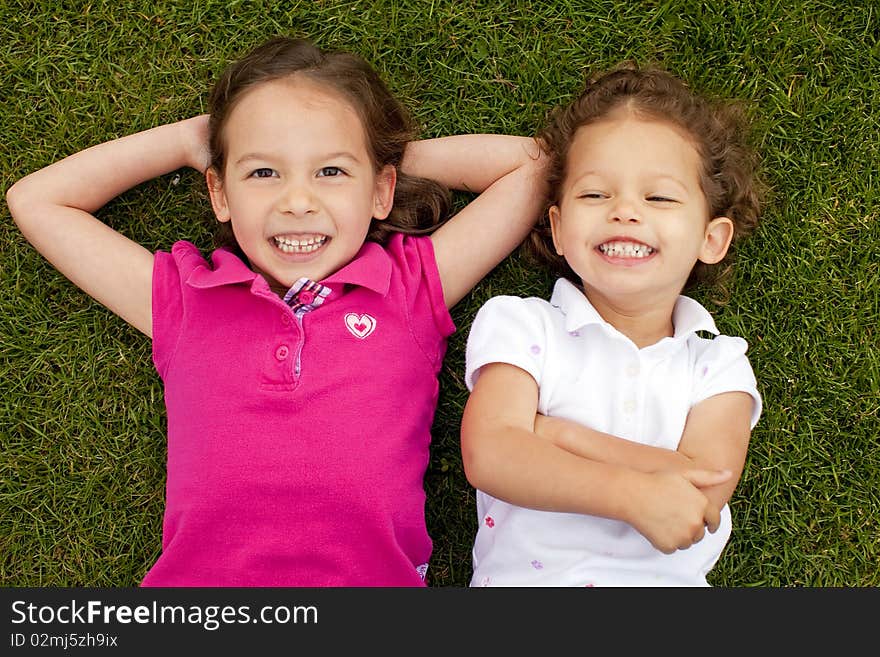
(371, 268)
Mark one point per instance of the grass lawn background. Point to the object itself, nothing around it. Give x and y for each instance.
(82, 421)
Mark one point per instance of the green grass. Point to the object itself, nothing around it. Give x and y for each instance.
(82, 421)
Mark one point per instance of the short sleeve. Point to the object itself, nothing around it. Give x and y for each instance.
(722, 366)
(167, 304)
(433, 287)
(506, 330)
(415, 268)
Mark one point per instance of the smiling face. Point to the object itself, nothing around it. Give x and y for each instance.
(299, 186)
(632, 219)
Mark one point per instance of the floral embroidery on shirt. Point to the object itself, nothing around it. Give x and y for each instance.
(574, 334)
(422, 570)
(535, 349)
(537, 565)
(484, 581)
(490, 522)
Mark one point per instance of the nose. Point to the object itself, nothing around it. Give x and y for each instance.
(297, 198)
(624, 210)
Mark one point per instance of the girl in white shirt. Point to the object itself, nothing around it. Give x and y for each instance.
(605, 436)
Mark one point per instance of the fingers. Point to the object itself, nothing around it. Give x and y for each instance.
(683, 543)
(712, 518)
(711, 522)
(684, 513)
(705, 478)
(692, 540)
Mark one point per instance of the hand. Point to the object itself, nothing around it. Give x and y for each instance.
(543, 149)
(673, 514)
(195, 137)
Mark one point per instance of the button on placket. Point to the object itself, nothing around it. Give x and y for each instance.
(282, 352)
(632, 370)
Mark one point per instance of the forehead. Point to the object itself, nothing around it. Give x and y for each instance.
(629, 143)
(293, 111)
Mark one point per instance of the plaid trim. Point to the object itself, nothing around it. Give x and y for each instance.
(306, 295)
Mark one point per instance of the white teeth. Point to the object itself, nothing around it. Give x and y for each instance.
(306, 245)
(626, 250)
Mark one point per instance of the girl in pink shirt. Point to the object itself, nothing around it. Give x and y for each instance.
(300, 363)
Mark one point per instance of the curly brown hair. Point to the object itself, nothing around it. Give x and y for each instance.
(420, 205)
(717, 129)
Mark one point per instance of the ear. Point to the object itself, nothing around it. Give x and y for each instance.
(719, 233)
(383, 196)
(555, 227)
(218, 196)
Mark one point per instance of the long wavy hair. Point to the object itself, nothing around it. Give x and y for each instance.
(717, 129)
(420, 205)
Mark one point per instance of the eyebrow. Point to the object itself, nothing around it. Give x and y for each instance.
(673, 179)
(329, 156)
(653, 175)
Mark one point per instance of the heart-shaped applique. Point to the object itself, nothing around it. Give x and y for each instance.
(360, 326)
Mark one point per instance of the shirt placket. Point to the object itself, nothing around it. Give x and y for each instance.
(303, 297)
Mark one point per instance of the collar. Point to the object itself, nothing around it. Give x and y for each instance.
(688, 316)
(371, 268)
(228, 269)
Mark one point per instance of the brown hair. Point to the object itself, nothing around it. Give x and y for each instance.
(420, 205)
(717, 130)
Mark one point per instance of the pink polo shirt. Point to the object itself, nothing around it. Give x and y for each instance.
(297, 446)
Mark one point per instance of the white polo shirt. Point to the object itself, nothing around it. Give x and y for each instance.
(589, 372)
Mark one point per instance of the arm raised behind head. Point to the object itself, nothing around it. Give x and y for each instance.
(54, 209)
(508, 174)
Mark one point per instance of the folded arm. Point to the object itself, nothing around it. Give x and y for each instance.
(504, 457)
(54, 208)
(715, 437)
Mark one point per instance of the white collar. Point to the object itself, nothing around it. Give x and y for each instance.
(688, 316)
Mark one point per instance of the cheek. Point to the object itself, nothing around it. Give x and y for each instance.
(572, 234)
(355, 212)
